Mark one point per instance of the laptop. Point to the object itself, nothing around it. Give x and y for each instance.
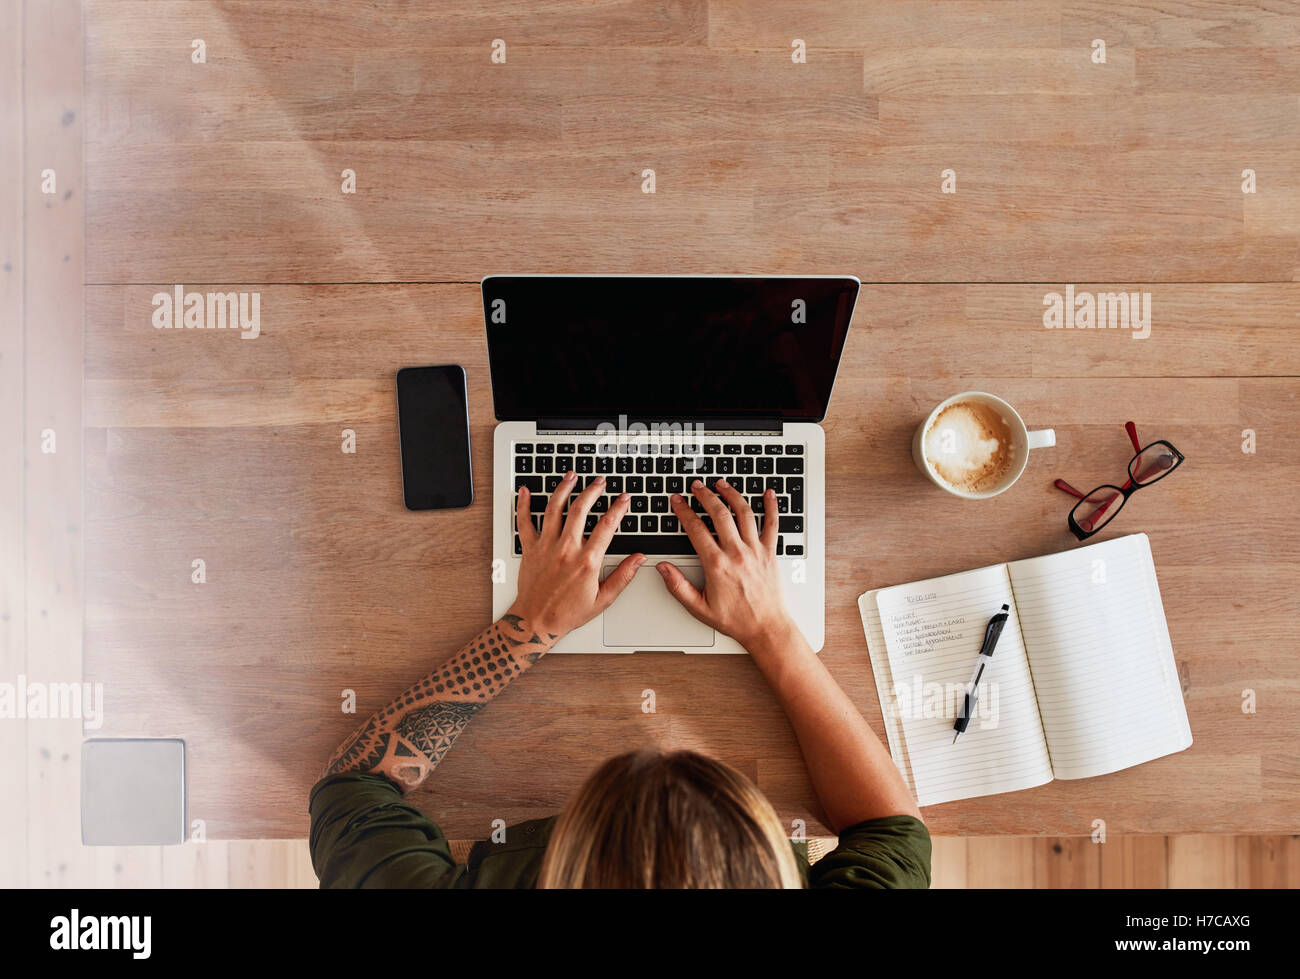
(652, 382)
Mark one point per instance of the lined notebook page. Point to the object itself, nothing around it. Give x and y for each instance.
(1102, 662)
(933, 631)
(883, 676)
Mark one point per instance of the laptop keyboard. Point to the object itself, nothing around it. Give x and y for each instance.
(651, 472)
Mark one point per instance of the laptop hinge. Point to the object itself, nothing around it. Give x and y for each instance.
(661, 426)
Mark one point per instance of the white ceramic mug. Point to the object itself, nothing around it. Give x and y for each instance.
(1022, 440)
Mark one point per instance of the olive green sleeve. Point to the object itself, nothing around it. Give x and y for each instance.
(364, 834)
(879, 853)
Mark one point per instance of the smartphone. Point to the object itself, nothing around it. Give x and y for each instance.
(433, 430)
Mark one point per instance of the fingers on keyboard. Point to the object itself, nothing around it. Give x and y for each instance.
(652, 473)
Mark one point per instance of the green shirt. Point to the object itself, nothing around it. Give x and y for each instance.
(364, 834)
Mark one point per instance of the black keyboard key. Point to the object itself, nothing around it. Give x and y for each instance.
(644, 464)
(563, 464)
(668, 524)
(538, 503)
(654, 484)
(600, 504)
(590, 524)
(794, 450)
(552, 483)
(756, 504)
(794, 486)
(764, 466)
(744, 466)
(674, 484)
(649, 525)
(604, 464)
(650, 450)
(523, 446)
(725, 466)
(627, 449)
(614, 484)
(658, 504)
(773, 483)
(589, 448)
(669, 449)
(772, 450)
(583, 464)
(634, 484)
(696, 505)
(631, 543)
(519, 548)
(544, 464)
(753, 449)
(523, 464)
(794, 550)
(780, 546)
(754, 484)
(628, 525)
(704, 467)
(566, 448)
(791, 525)
(789, 466)
(731, 449)
(663, 465)
(622, 465)
(783, 504)
(534, 483)
(640, 504)
(712, 450)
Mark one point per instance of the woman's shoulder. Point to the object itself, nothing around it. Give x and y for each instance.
(888, 852)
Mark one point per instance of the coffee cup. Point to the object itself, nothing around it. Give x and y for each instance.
(975, 445)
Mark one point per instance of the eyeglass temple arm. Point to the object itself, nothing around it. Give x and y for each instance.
(1063, 485)
(1133, 436)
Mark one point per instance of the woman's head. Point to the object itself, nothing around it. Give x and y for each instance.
(651, 819)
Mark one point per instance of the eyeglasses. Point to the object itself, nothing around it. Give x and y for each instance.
(1096, 509)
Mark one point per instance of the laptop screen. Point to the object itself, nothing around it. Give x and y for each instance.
(575, 347)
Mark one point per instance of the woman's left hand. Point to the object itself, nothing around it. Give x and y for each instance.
(559, 577)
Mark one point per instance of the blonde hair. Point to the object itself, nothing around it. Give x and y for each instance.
(654, 819)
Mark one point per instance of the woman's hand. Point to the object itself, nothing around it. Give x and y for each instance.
(742, 594)
(559, 576)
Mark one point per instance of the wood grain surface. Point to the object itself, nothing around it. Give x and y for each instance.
(205, 445)
(200, 444)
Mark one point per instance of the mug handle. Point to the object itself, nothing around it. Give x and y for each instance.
(1042, 439)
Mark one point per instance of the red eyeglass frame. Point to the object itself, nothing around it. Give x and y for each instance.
(1130, 486)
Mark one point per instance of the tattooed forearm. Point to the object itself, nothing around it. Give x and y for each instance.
(518, 624)
(406, 740)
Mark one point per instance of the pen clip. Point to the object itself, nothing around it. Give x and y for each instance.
(994, 630)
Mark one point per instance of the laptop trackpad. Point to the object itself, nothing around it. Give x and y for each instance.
(646, 615)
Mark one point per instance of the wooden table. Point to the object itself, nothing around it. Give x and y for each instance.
(202, 445)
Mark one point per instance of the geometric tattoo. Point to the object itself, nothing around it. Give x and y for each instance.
(432, 729)
(407, 739)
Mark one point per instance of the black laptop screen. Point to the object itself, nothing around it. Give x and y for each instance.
(574, 347)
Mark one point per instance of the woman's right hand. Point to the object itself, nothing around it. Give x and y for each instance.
(742, 595)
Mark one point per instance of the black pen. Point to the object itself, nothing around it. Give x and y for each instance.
(991, 635)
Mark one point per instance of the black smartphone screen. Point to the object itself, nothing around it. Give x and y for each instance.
(433, 427)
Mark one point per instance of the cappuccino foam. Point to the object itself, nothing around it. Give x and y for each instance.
(970, 446)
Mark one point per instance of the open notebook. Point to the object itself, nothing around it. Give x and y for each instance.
(1082, 682)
